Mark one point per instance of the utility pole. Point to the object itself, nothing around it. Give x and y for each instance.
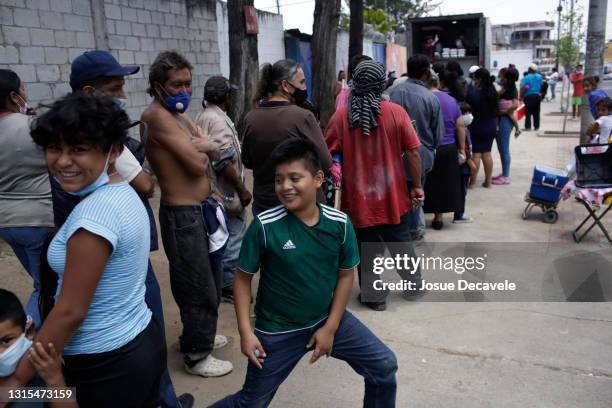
(559, 10)
(323, 44)
(244, 60)
(356, 28)
(277, 6)
(567, 68)
(594, 61)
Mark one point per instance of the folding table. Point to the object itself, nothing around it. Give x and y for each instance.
(597, 201)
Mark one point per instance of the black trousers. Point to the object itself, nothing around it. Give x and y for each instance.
(196, 287)
(532, 108)
(372, 242)
(127, 377)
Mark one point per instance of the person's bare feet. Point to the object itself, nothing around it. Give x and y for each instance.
(486, 185)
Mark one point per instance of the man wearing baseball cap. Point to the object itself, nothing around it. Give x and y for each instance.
(471, 73)
(98, 73)
(229, 188)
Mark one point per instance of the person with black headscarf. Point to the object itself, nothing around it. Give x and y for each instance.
(371, 135)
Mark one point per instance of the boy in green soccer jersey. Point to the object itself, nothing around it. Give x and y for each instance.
(307, 254)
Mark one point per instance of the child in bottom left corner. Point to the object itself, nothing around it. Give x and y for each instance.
(16, 342)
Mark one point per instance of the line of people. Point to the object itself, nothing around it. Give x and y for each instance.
(398, 152)
(99, 301)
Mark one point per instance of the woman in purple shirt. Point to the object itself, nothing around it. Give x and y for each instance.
(443, 187)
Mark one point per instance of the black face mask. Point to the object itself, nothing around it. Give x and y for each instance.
(300, 95)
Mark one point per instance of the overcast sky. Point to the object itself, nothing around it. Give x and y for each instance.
(299, 13)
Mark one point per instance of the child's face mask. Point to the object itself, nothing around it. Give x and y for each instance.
(11, 356)
(468, 119)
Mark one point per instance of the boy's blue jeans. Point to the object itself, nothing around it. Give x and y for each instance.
(27, 244)
(353, 343)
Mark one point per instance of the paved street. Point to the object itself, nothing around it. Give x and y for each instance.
(450, 354)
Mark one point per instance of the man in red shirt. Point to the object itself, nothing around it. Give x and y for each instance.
(371, 136)
(576, 78)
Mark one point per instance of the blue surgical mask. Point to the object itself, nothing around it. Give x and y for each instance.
(102, 180)
(11, 356)
(121, 103)
(177, 103)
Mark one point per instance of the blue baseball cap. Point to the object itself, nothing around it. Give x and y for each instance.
(95, 64)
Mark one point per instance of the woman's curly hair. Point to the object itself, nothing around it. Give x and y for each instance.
(81, 119)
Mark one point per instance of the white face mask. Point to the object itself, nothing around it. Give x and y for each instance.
(468, 119)
(23, 109)
(11, 356)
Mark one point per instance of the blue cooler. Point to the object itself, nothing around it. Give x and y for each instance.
(547, 183)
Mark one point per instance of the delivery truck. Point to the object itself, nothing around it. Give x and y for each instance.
(465, 38)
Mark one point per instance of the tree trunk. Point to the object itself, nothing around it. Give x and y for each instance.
(356, 29)
(244, 61)
(323, 44)
(595, 46)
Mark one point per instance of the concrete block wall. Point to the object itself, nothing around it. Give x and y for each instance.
(39, 39)
(138, 30)
(270, 40)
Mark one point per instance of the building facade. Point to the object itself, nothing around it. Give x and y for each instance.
(533, 35)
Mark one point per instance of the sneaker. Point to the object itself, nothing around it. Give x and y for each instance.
(412, 295)
(437, 225)
(186, 400)
(220, 341)
(501, 181)
(376, 306)
(464, 219)
(417, 236)
(210, 367)
(227, 295)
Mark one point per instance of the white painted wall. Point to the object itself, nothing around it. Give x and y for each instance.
(521, 58)
(270, 40)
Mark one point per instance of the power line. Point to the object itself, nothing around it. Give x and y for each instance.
(279, 6)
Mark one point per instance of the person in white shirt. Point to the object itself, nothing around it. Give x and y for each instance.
(601, 130)
(552, 83)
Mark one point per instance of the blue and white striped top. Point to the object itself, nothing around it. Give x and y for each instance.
(118, 312)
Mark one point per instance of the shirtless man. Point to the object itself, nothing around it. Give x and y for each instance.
(180, 154)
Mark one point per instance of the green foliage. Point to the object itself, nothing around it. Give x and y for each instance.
(572, 38)
(387, 15)
(401, 10)
(378, 19)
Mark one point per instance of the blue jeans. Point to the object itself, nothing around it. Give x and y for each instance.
(167, 396)
(553, 86)
(417, 216)
(27, 243)
(353, 343)
(503, 143)
(237, 227)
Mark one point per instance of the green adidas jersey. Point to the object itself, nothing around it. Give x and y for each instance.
(299, 265)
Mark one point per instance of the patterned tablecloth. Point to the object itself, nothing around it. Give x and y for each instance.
(596, 197)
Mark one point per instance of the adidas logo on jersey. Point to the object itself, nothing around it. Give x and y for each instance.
(289, 245)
